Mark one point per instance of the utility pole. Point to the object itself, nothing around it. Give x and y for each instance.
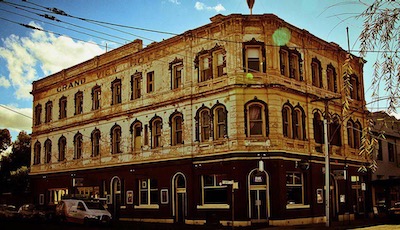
(326, 151)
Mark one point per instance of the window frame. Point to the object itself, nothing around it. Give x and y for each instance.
(150, 82)
(116, 90)
(116, 139)
(49, 112)
(136, 128)
(96, 97)
(63, 102)
(47, 151)
(205, 125)
(293, 184)
(146, 186)
(220, 122)
(62, 147)
(177, 129)
(136, 85)
(36, 153)
(95, 141)
(331, 78)
(78, 102)
(78, 146)
(38, 114)
(215, 185)
(316, 73)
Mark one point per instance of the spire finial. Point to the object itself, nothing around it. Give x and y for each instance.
(250, 3)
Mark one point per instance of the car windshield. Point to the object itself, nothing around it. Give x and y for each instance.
(95, 205)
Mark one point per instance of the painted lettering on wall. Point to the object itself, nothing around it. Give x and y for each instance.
(71, 84)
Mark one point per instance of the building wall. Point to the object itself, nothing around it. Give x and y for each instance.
(235, 155)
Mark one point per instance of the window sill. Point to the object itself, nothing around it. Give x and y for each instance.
(150, 206)
(297, 206)
(213, 206)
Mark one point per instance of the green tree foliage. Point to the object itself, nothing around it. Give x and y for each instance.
(5, 139)
(21, 151)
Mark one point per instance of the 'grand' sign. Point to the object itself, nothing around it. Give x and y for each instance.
(71, 84)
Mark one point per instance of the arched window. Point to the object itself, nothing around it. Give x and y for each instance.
(176, 121)
(62, 147)
(220, 121)
(293, 121)
(290, 63)
(318, 125)
(316, 73)
(287, 122)
(38, 114)
(78, 145)
(353, 134)
(116, 139)
(136, 135)
(331, 78)
(78, 102)
(335, 133)
(95, 138)
(96, 93)
(156, 130)
(47, 151)
(36, 153)
(116, 89)
(256, 117)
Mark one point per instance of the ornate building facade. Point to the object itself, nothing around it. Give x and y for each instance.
(220, 124)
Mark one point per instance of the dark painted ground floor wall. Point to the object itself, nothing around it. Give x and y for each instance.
(290, 187)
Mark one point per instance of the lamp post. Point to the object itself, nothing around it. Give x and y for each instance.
(326, 151)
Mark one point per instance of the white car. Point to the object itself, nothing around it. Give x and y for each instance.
(82, 212)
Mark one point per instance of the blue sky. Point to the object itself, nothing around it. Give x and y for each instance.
(27, 54)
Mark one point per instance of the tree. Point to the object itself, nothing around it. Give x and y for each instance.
(381, 33)
(21, 151)
(5, 139)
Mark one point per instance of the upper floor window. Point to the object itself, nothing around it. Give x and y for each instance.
(136, 85)
(379, 155)
(63, 107)
(150, 82)
(136, 131)
(316, 73)
(256, 118)
(176, 68)
(210, 63)
(220, 122)
(290, 63)
(293, 122)
(47, 151)
(62, 148)
(176, 121)
(156, 128)
(96, 96)
(354, 134)
(391, 152)
(335, 133)
(294, 188)
(78, 102)
(38, 114)
(254, 60)
(318, 126)
(36, 153)
(116, 139)
(212, 191)
(331, 78)
(95, 138)
(49, 111)
(205, 125)
(355, 87)
(78, 145)
(116, 89)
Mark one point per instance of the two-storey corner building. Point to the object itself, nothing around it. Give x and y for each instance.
(165, 132)
(386, 179)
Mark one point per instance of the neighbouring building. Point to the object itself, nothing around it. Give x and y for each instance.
(386, 179)
(221, 124)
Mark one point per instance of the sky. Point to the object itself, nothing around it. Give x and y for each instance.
(33, 47)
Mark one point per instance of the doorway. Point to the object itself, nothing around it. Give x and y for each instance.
(179, 198)
(258, 196)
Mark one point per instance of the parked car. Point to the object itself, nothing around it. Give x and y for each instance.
(8, 212)
(82, 212)
(394, 211)
(32, 212)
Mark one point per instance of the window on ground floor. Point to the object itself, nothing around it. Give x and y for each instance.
(294, 188)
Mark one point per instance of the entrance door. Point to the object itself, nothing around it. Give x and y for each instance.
(116, 197)
(179, 184)
(258, 204)
(258, 196)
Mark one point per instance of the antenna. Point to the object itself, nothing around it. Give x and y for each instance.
(250, 3)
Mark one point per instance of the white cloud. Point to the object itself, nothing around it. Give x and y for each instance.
(202, 6)
(175, 2)
(15, 119)
(41, 53)
(4, 82)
